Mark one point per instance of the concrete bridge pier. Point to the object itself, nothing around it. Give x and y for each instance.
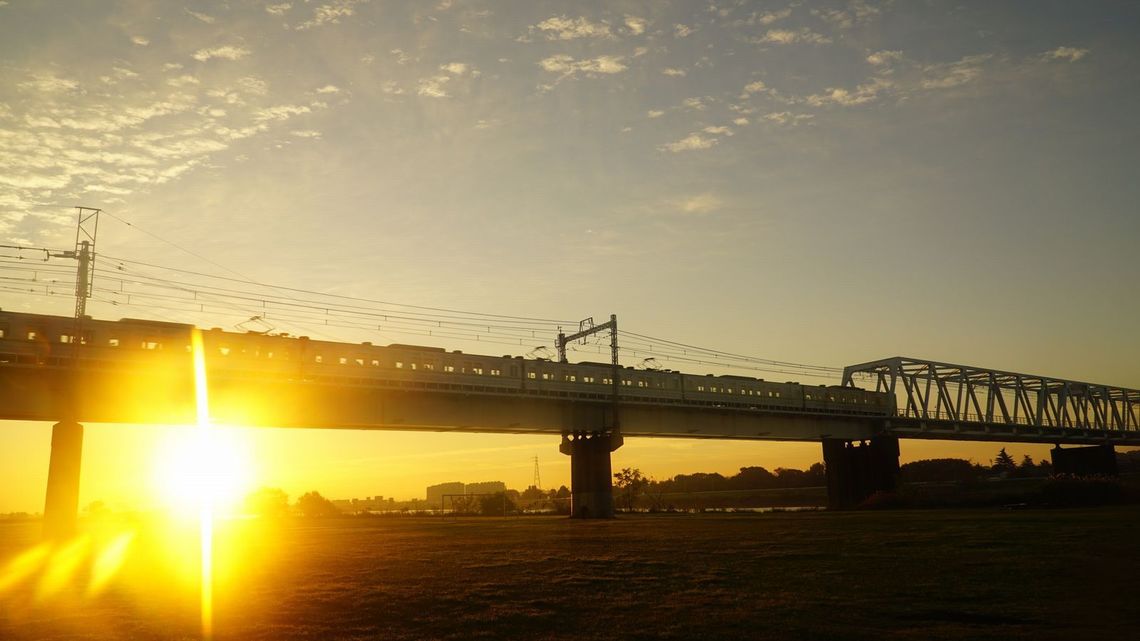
(62, 503)
(1085, 461)
(591, 477)
(858, 469)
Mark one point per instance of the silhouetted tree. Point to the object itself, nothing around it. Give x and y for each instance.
(497, 504)
(630, 482)
(562, 493)
(938, 470)
(533, 493)
(313, 504)
(268, 502)
(1004, 463)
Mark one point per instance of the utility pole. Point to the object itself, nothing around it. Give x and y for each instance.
(62, 502)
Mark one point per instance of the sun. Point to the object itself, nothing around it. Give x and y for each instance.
(198, 468)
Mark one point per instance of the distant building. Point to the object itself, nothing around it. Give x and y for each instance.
(486, 487)
(366, 504)
(435, 492)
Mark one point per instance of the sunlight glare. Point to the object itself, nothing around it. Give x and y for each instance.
(23, 566)
(107, 564)
(62, 566)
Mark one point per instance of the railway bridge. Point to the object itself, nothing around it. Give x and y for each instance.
(71, 380)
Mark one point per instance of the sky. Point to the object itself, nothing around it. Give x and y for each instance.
(814, 182)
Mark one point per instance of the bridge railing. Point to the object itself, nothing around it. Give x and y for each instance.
(932, 390)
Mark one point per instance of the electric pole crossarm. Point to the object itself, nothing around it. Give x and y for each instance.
(610, 325)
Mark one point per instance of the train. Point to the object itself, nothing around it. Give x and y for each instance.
(37, 340)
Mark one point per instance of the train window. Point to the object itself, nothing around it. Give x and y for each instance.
(626, 382)
(700, 388)
(342, 360)
(570, 378)
(224, 351)
(399, 365)
(477, 370)
(607, 381)
(641, 383)
(360, 361)
(449, 369)
(429, 367)
(32, 335)
(496, 372)
(546, 376)
(3, 332)
(112, 342)
(375, 363)
(728, 391)
(777, 395)
(412, 366)
(318, 359)
(531, 375)
(150, 345)
(807, 397)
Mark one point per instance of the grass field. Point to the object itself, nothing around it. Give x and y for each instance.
(1057, 574)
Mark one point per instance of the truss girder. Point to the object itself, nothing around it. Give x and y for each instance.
(931, 390)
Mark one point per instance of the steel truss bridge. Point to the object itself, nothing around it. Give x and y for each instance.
(947, 401)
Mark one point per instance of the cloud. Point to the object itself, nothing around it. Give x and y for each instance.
(754, 87)
(140, 40)
(694, 103)
(330, 13)
(635, 25)
(182, 81)
(670, 71)
(884, 58)
(49, 84)
(433, 87)
(862, 94)
(227, 52)
(654, 113)
(682, 31)
(391, 87)
(568, 66)
(718, 130)
(278, 9)
(699, 204)
(564, 28)
(857, 12)
(305, 133)
(692, 142)
(787, 37)
(202, 17)
(770, 17)
(329, 89)
(787, 117)
(402, 58)
(1072, 54)
(458, 68)
(740, 122)
(953, 74)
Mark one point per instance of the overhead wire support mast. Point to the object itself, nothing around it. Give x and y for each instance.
(588, 328)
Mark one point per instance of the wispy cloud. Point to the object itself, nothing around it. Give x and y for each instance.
(1072, 54)
(700, 204)
(228, 52)
(140, 40)
(788, 36)
(862, 94)
(682, 30)
(565, 28)
(953, 74)
(568, 66)
(856, 12)
(278, 9)
(202, 17)
(692, 142)
(674, 72)
(330, 13)
(884, 58)
(635, 25)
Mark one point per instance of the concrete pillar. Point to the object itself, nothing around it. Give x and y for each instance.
(62, 503)
(855, 472)
(591, 477)
(1085, 461)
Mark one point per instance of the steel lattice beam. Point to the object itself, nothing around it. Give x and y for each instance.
(981, 398)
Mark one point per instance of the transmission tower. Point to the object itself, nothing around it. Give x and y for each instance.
(86, 229)
(537, 478)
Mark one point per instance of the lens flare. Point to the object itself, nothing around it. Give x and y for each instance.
(62, 566)
(206, 511)
(23, 566)
(107, 564)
